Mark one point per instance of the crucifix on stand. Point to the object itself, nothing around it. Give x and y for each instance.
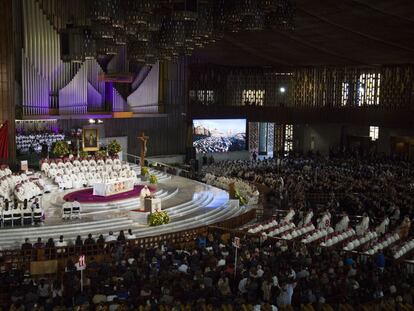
(143, 140)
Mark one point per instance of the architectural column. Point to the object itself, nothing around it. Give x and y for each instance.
(263, 138)
(7, 67)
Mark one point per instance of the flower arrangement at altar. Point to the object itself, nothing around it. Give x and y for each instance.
(158, 218)
(153, 179)
(241, 199)
(246, 192)
(83, 154)
(100, 154)
(60, 149)
(144, 171)
(114, 147)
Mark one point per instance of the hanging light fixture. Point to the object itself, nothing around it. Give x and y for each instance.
(101, 10)
(106, 47)
(155, 30)
(254, 22)
(103, 31)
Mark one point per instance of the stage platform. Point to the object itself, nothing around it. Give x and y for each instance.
(189, 203)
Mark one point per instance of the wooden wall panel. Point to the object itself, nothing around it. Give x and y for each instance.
(309, 87)
(7, 65)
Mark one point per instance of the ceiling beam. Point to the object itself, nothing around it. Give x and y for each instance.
(319, 48)
(367, 36)
(255, 52)
(396, 16)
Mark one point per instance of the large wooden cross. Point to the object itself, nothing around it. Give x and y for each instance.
(143, 139)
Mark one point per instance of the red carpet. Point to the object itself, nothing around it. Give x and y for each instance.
(86, 195)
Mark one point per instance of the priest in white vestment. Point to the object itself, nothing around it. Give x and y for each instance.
(145, 192)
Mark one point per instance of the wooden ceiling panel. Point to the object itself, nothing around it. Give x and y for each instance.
(349, 32)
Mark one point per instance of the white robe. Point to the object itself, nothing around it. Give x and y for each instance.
(325, 221)
(308, 219)
(289, 216)
(363, 226)
(342, 225)
(144, 192)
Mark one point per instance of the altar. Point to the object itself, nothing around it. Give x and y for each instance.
(113, 186)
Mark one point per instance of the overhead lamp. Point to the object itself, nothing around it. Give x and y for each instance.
(100, 121)
(91, 121)
(282, 89)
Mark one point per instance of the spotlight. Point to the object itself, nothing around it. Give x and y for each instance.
(100, 121)
(282, 89)
(91, 121)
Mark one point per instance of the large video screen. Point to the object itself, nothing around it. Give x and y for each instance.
(221, 135)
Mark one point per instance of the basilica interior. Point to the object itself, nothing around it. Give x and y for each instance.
(214, 154)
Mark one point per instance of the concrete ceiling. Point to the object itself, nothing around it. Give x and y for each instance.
(327, 32)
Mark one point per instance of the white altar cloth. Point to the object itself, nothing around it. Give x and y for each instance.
(113, 186)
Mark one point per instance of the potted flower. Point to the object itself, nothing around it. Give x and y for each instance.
(144, 171)
(100, 154)
(60, 149)
(242, 200)
(158, 218)
(83, 154)
(153, 179)
(114, 148)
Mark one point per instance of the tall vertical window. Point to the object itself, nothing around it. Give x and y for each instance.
(210, 96)
(204, 97)
(253, 97)
(369, 89)
(288, 144)
(345, 93)
(374, 132)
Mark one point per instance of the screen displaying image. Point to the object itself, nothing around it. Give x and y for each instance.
(222, 135)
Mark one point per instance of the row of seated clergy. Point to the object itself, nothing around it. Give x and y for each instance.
(71, 210)
(45, 166)
(5, 172)
(51, 173)
(17, 216)
(27, 191)
(89, 179)
(24, 190)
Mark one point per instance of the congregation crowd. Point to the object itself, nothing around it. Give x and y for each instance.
(377, 187)
(205, 275)
(265, 273)
(214, 144)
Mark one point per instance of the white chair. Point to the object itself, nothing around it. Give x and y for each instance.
(67, 210)
(27, 216)
(16, 217)
(37, 216)
(7, 218)
(76, 210)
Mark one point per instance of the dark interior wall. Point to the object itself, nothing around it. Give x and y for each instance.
(166, 134)
(326, 136)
